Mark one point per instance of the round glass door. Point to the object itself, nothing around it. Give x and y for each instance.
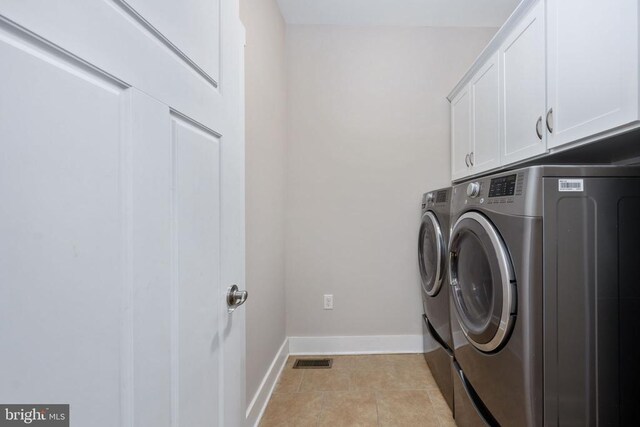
(431, 254)
(482, 281)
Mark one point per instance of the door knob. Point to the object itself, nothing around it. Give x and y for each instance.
(235, 298)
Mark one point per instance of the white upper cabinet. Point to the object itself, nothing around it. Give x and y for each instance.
(475, 123)
(564, 71)
(460, 134)
(523, 70)
(592, 54)
(485, 122)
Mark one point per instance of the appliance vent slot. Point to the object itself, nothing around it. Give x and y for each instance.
(441, 197)
(313, 364)
(519, 184)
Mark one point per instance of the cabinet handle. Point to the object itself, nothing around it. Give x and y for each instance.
(466, 160)
(550, 120)
(471, 158)
(538, 127)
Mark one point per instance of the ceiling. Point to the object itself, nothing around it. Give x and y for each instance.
(431, 13)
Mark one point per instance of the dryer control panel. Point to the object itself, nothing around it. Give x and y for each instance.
(440, 197)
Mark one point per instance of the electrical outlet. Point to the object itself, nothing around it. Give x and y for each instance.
(328, 302)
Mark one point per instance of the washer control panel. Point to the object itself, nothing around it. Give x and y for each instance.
(503, 186)
(501, 190)
(511, 192)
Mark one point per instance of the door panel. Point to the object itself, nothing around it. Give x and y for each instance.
(60, 298)
(137, 55)
(593, 66)
(523, 68)
(196, 253)
(193, 26)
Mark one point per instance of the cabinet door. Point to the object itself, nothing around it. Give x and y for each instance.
(523, 68)
(460, 134)
(592, 67)
(485, 122)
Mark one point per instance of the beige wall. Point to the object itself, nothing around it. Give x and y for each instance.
(368, 135)
(350, 126)
(265, 88)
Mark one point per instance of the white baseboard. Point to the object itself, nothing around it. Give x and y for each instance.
(371, 344)
(261, 398)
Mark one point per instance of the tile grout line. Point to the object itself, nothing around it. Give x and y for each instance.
(375, 394)
(438, 418)
(300, 383)
(324, 397)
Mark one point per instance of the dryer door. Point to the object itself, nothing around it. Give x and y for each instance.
(431, 254)
(482, 282)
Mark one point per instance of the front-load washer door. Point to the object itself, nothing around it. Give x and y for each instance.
(431, 254)
(482, 282)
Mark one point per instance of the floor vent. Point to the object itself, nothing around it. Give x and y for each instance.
(313, 364)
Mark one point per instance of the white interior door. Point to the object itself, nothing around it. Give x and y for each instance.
(122, 218)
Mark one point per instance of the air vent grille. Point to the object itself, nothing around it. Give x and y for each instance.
(313, 364)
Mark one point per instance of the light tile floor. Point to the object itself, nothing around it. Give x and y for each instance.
(368, 390)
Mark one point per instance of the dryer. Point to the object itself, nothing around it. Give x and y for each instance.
(541, 269)
(433, 240)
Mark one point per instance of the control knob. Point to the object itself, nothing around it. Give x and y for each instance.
(473, 189)
(430, 197)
